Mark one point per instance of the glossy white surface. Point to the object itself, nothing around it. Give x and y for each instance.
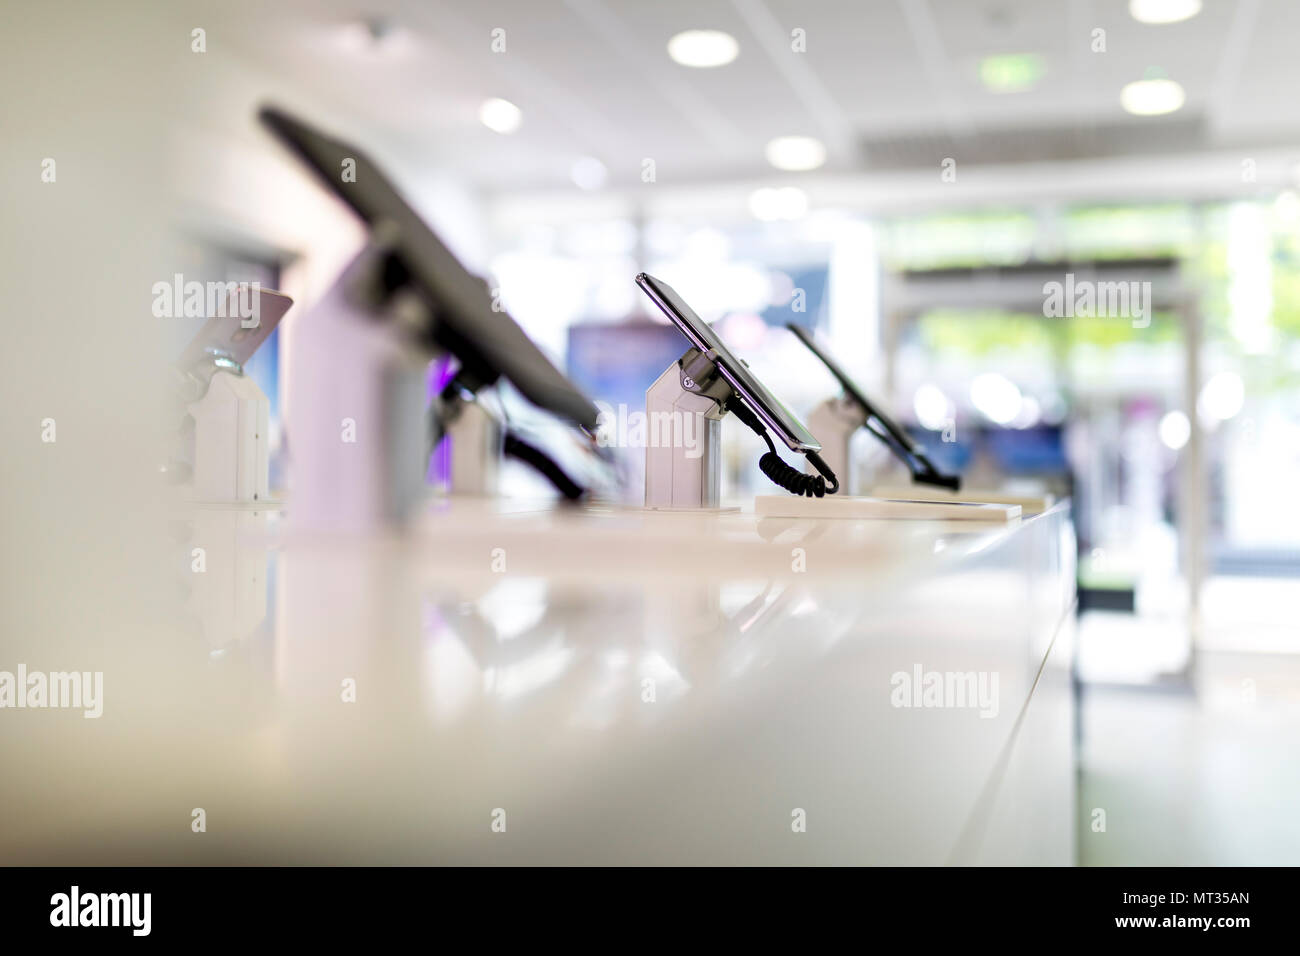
(854, 506)
(501, 662)
(1030, 504)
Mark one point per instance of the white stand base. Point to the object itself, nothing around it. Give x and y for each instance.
(355, 426)
(230, 442)
(474, 438)
(834, 422)
(846, 506)
(229, 597)
(683, 445)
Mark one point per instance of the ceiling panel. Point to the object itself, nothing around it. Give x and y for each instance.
(593, 78)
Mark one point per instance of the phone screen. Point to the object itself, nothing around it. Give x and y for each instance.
(775, 415)
(486, 340)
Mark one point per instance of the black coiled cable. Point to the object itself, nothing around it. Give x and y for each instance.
(791, 478)
(774, 466)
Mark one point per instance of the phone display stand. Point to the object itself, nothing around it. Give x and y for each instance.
(220, 453)
(474, 442)
(229, 600)
(231, 449)
(356, 430)
(684, 409)
(834, 422)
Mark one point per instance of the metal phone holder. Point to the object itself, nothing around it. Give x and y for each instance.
(834, 422)
(684, 409)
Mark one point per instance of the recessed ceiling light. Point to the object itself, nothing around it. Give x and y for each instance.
(1152, 97)
(772, 204)
(500, 116)
(1163, 11)
(703, 48)
(1011, 72)
(795, 153)
(589, 173)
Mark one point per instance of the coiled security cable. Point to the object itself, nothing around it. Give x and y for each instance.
(774, 466)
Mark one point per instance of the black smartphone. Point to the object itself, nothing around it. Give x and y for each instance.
(881, 425)
(755, 394)
(488, 342)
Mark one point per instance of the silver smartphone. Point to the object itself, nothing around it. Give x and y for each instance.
(755, 394)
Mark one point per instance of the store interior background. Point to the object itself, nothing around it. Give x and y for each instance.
(1179, 441)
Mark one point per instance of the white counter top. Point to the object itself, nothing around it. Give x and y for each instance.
(626, 686)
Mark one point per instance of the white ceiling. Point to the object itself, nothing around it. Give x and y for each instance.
(883, 82)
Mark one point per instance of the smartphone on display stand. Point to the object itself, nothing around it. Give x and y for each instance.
(881, 425)
(737, 374)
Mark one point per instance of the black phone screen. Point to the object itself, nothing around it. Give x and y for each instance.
(485, 339)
